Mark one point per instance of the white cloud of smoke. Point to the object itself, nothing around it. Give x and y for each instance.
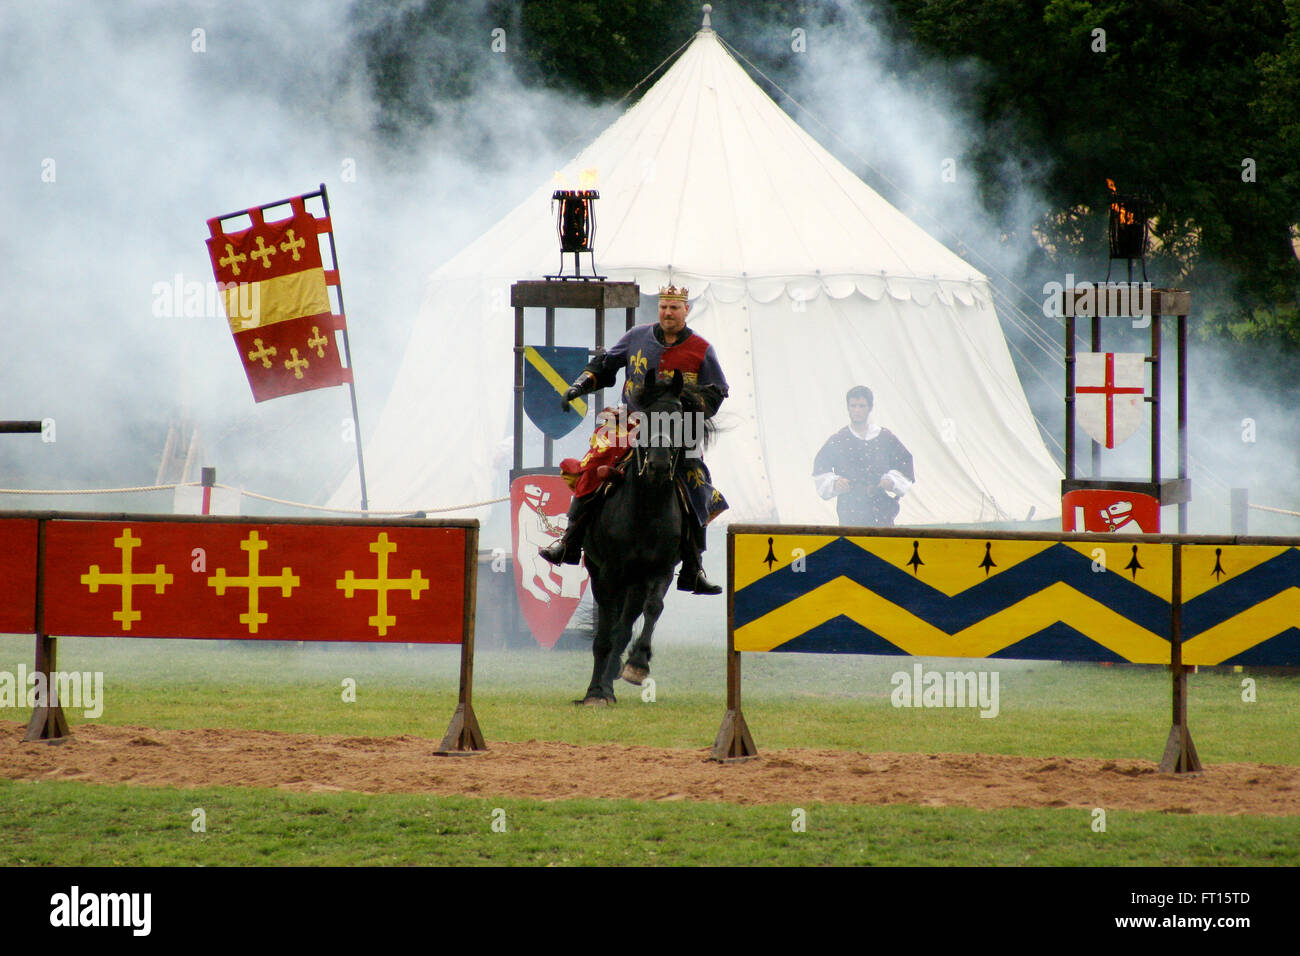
(148, 138)
(124, 130)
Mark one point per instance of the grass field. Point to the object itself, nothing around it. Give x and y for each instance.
(73, 824)
(790, 701)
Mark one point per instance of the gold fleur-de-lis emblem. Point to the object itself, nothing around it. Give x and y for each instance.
(638, 363)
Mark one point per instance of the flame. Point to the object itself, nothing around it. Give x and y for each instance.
(558, 180)
(587, 178)
(1126, 218)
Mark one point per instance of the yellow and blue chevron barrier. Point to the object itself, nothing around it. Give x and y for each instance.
(1062, 597)
(1241, 602)
(1174, 600)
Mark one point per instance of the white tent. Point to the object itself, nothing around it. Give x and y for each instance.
(804, 279)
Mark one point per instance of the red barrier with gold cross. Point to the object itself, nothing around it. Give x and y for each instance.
(18, 575)
(282, 579)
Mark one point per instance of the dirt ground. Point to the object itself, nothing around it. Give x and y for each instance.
(144, 757)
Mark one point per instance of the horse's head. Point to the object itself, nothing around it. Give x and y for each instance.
(659, 441)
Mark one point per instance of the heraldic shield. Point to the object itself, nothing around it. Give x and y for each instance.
(1108, 509)
(1108, 394)
(548, 372)
(548, 595)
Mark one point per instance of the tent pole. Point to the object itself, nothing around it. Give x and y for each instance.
(519, 391)
(548, 444)
(600, 346)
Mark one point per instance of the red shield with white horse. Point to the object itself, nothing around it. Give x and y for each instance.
(548, 593)
(1107, 509)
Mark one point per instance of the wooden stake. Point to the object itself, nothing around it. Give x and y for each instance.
(1180, 753)
(733, 743)
(463, 735)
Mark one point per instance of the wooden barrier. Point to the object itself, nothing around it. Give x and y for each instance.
(1174, 600)
(272, 579)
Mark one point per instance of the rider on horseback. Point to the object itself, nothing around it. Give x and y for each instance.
(665, 347)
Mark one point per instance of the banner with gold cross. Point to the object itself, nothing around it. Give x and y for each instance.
(303, 581)
(274, 283)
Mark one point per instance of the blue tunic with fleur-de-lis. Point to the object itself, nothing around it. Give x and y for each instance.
(642, 349)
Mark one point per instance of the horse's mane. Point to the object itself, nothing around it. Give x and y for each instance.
(693, 402)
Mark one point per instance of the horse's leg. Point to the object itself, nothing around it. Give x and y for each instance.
(602, 645)
(637, 668)
(634, 598)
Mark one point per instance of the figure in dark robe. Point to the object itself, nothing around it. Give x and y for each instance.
(864, 467)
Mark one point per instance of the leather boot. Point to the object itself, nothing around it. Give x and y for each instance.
(692, 577)
(567, 549)
(559, 552)
(697, 583)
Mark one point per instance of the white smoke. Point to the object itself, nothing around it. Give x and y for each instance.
(124, 129)
(126, 126)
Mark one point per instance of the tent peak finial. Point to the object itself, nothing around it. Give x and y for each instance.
(706, 26)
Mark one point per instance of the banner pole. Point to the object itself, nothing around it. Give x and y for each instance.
(347, 353)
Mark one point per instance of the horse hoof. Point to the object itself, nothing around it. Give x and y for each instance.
(635, 675)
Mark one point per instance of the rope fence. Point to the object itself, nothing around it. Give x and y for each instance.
(1276, 511)
(346, 511)
(246, 494)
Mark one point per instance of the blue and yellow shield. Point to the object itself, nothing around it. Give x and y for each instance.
(548, 372)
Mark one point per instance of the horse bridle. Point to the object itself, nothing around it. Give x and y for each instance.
(643, 460)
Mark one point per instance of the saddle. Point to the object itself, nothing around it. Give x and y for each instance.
(610, 475)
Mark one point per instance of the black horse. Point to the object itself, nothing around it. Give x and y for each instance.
(635, 542)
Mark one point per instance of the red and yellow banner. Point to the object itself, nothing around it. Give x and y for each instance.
(275, 287)
(252, 581)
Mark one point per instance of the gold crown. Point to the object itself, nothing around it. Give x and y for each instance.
(673, 292)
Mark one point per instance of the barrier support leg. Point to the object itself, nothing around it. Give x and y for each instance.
(48, 723)
(1180, 753)
(733, 743)
(463, 736)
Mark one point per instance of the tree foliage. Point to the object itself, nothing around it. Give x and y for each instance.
(1192, 102)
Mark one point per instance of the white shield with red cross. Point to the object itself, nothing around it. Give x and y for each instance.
(1108, 392)
(548, 593)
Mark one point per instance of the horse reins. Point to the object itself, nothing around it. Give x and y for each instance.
(643, 461)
